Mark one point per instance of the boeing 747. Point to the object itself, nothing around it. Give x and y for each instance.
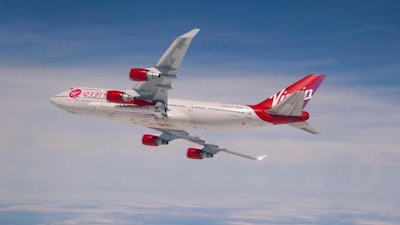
(148, 104)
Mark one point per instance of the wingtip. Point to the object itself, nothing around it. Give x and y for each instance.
(261, 157)
(191, 33)
(258, 158)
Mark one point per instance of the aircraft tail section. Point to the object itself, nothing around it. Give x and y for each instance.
(308, 85)
(290, 106)
(293, 106)
(286, 106)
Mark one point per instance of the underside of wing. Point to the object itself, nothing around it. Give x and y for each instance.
(208, 149)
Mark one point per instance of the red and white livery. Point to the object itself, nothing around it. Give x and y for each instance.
(148, 104)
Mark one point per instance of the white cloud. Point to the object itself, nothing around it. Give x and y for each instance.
(132, 211)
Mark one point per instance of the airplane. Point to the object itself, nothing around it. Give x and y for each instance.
(148, 104)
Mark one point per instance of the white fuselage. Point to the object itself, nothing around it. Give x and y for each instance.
(181, 114)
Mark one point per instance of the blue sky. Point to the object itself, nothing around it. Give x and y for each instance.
(57, 168)
(326, 37)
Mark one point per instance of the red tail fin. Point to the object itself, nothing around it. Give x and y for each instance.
(308, 84)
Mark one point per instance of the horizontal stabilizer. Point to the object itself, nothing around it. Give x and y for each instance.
(304, 126)
(290, 106)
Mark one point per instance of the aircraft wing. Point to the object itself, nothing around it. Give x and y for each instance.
(169, 135)
(155, 90)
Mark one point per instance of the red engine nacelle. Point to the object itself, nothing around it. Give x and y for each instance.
(195, 153)
(152, 140)
(119, 97)
(140, 74)
(124, 98)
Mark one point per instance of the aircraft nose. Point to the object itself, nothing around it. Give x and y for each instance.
(56, 100)
(53, 100)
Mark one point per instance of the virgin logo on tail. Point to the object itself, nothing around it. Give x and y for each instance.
(276, 98)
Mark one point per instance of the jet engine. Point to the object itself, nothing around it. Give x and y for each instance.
(124, 98)
(119, 97)
(152, 140)
(140, 74)
(195, 153)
